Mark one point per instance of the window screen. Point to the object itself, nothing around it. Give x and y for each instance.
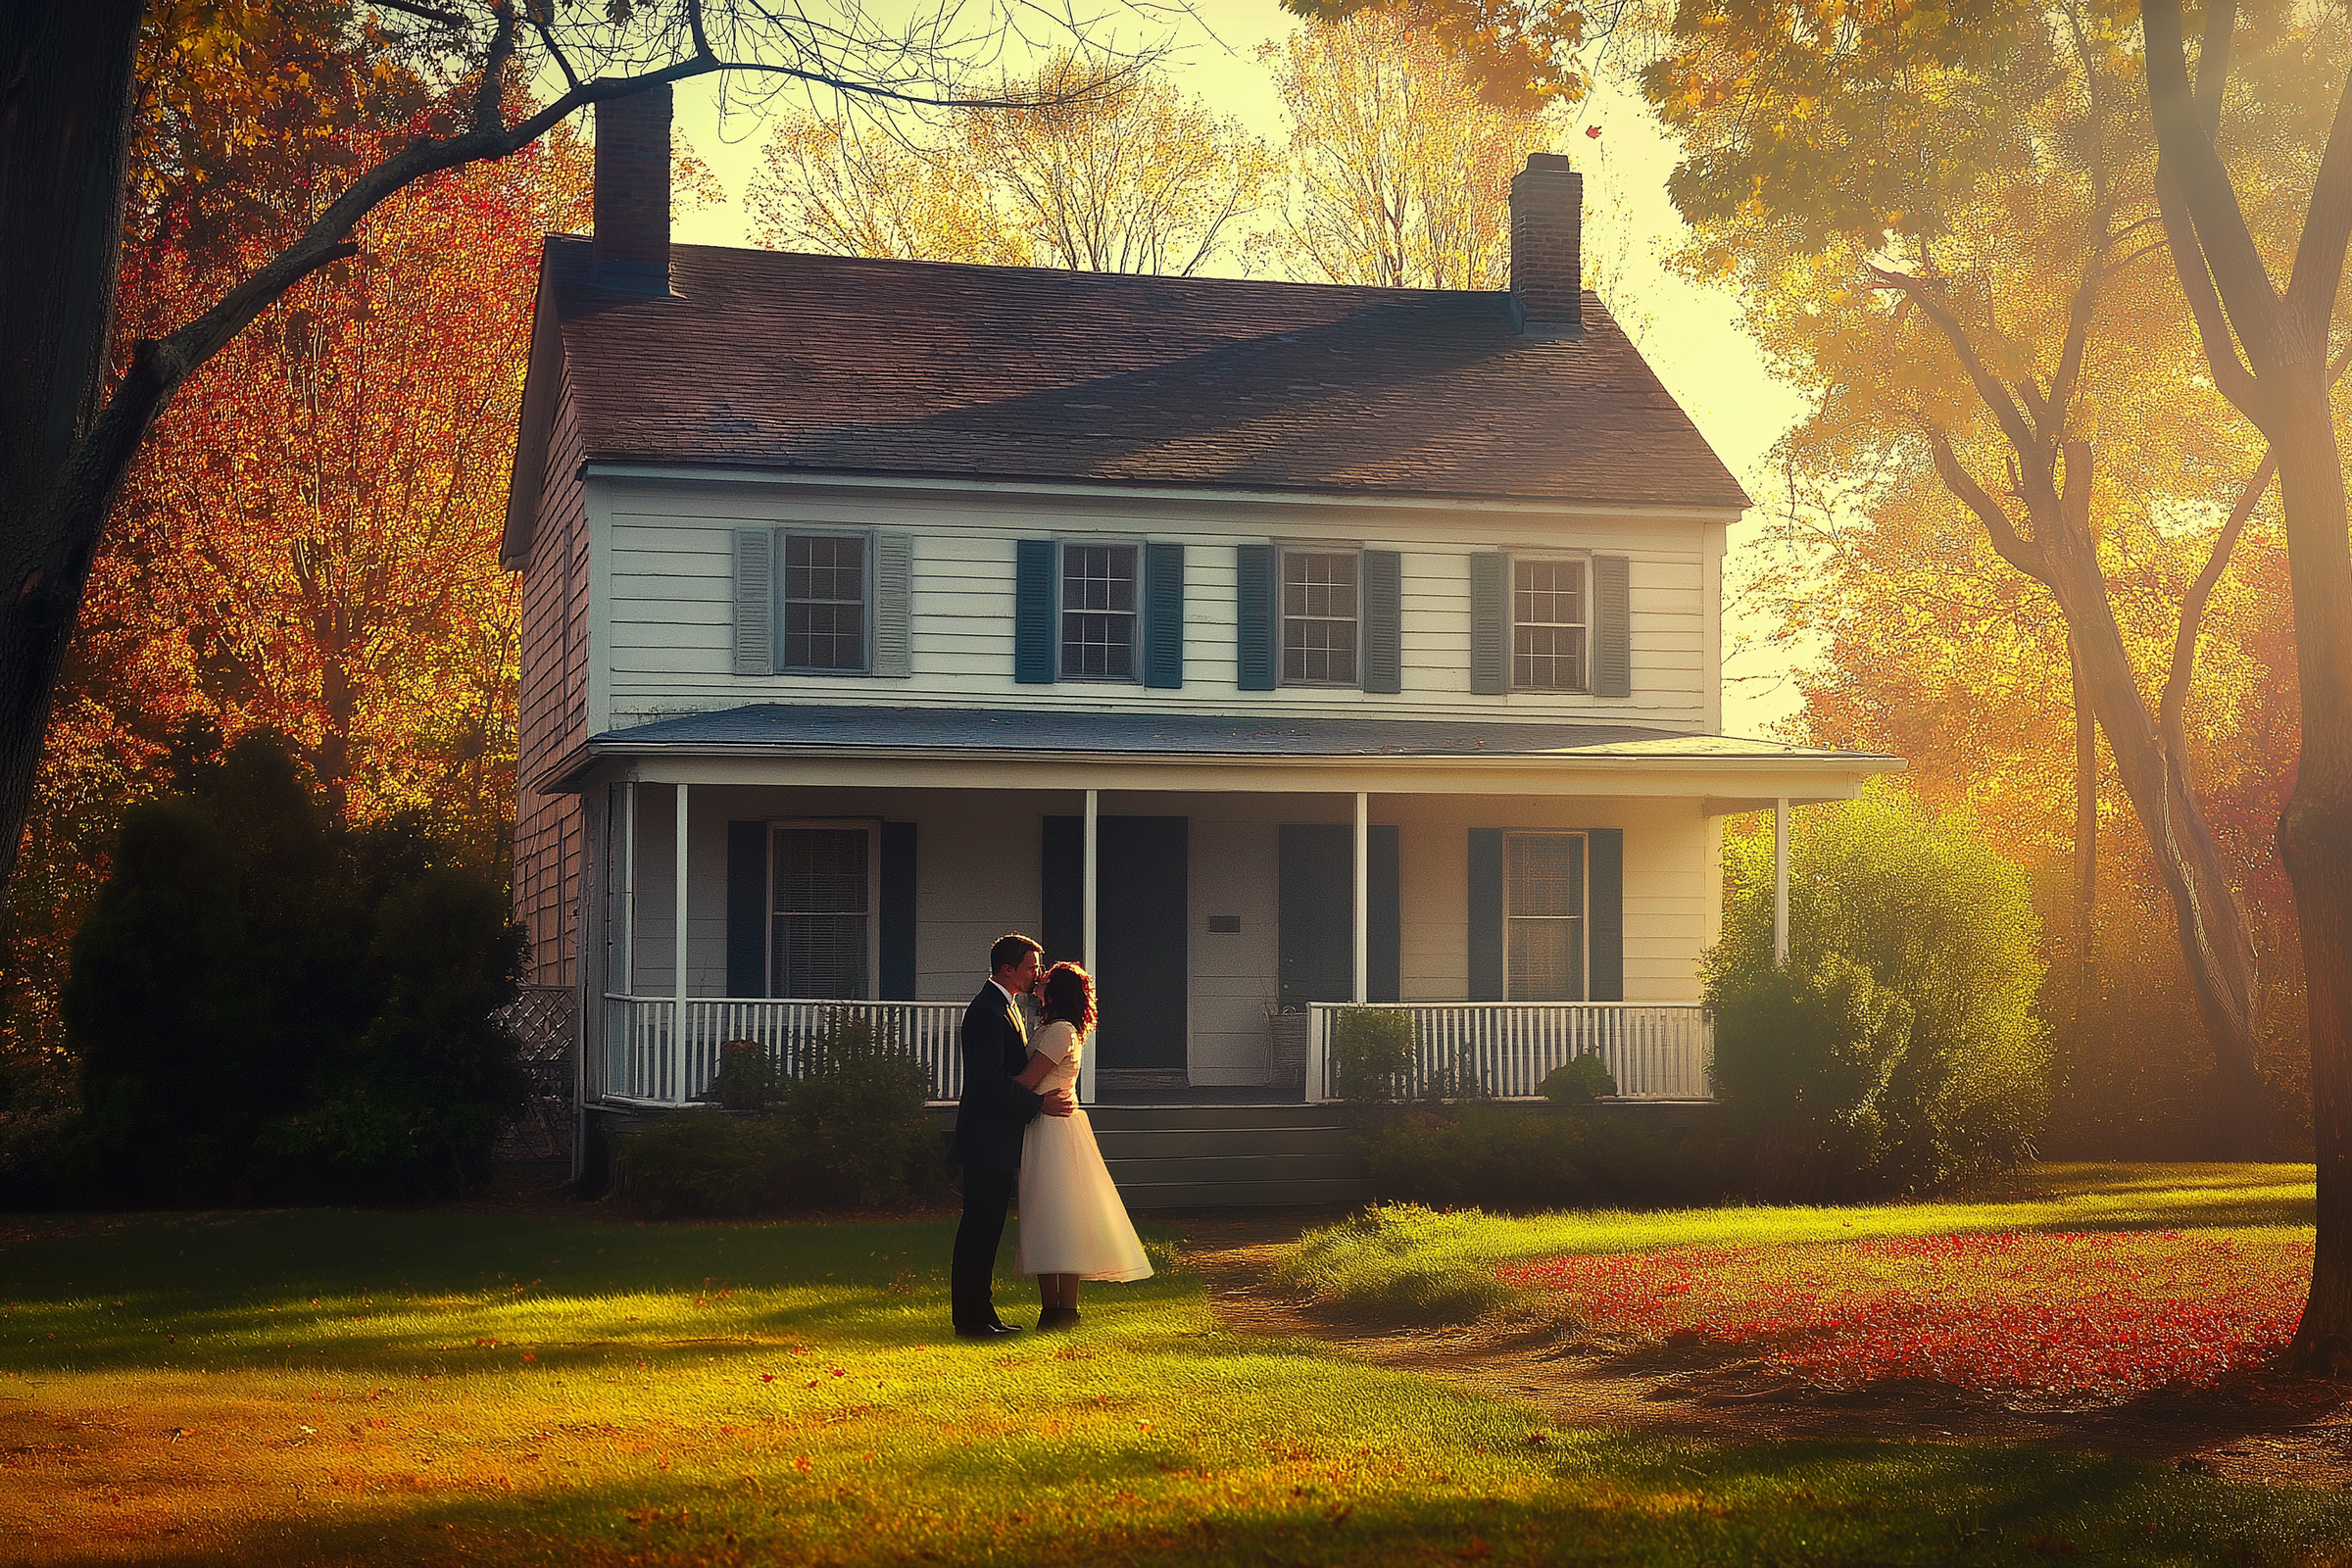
(1548, 626)
(821, 912)
(824, 602)
(1543, 917)
(1318, 619)
(1097, 612)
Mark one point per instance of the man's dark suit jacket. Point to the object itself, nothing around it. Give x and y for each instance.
(993, 1110)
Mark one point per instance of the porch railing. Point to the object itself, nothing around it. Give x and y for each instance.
(1502, 1050)
(649, 1059)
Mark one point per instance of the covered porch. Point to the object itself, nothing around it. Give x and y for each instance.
(1524, 900)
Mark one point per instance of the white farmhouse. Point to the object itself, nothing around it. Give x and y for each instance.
(1265, 646)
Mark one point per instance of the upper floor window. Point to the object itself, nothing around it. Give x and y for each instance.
(1319, 610)
(1097, 612)
(1543, 917)
(824, 602)
(1548, 626)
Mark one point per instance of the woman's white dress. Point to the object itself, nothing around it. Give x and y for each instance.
(1072, 1221)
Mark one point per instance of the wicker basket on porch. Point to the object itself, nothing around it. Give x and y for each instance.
(1286, 1050)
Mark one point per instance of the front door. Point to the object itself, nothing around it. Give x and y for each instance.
(1142, 925)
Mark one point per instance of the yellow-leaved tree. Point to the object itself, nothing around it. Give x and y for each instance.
(1401, 163)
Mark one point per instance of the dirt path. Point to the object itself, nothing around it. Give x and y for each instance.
(2252, 1430)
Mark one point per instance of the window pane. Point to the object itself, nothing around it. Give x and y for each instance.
(1548, 874)
(1546, 958)
(1097, 612)
(1549, 658)
(1318, 618)
(820, 870)
(824, 602)
(1099, 577)
(1548, 626)
(820, 955)
(1098, 645)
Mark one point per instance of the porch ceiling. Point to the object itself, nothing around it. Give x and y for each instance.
(1014, 749)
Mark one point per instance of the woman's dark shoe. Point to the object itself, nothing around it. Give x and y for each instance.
(1056, 1317)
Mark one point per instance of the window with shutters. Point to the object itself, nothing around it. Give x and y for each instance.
(1319, 617)
(1549, 626)
(823, 927)
(1543, 917)
(1097, 612)
(824, 593)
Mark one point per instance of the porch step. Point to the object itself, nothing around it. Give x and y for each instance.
(1204, 1157)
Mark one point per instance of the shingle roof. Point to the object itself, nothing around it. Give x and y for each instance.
(786, 726)
(771, 360)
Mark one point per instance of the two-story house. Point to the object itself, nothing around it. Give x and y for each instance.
(1264, 645)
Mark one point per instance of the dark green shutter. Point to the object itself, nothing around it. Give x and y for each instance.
(1255, 623)
(747, 908)
(1033, 613)
(1062, 924)
(1485, 914)
(1383, 621)
(1605, 900)
(1163, 615)
(1489, 625)
(1612, 628)
(898, 911)
(1382, 929)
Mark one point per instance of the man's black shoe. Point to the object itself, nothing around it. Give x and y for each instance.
(987, 1331)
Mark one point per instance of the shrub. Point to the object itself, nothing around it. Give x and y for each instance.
(852, 1133)
(1578, 1083)
(708, 1163)
(746, 1078)
(1898, 1051)
(1371, 1051)
(863, 1137)
(1532, 1158)
(268, 1006)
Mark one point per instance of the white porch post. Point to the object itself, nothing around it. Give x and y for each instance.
(628, 888)
(677, 1055)
(1780, 883)
(1361, 990)
(1086, 1065)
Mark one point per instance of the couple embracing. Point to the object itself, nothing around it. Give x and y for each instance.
(1019, 1125)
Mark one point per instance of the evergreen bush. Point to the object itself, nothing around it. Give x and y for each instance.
(1371, 1052)
(1579, 1082)
(1898, 1051)
(267, 1005)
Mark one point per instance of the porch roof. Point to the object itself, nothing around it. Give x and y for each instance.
(811, 731)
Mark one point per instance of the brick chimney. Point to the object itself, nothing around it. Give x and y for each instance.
(1547, 217)
(632, 192)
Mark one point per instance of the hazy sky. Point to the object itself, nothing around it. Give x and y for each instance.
(1690, 335)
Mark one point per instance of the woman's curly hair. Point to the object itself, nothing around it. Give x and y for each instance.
(1067, 996)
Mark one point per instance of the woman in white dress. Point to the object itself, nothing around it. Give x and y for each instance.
(1073, 1225)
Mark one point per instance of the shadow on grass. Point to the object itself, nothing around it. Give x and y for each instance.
(1603, 1500)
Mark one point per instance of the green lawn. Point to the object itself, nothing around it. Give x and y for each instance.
(1414, 1264)
(325, 1386)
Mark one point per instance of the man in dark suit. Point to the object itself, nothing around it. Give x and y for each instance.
(989, 1119)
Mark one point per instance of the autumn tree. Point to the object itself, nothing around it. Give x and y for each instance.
(1092, 169)
(1401, 165)
(73, 415)
(2272, 352)
(1947, 227)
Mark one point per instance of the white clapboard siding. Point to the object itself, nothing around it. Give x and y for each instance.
(670, 605)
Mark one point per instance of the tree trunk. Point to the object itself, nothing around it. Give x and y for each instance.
(66, 82)
(2214, 938)
(2087, 829)
(2315, 839)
